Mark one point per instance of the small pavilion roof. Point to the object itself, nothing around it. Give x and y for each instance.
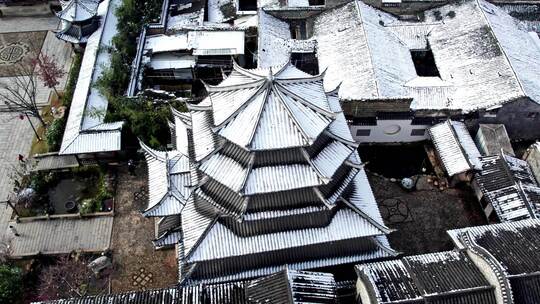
(78, 10)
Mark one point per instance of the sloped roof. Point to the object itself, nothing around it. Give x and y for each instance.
(294, 287)
(367, 59)
(231, 293)
(513, 244)
(449, 275)
(243, 165)
(476, 47)
(78, 10)
(86, 131)
(510, 186)
(245, 113)
(493, 139)
(169, 181)
(455, 147)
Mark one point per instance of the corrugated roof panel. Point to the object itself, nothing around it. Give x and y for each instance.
(455, 147)
(280, 178)
(276, 128)
(331, 158)
(225, 170)
(220, 242)
(241, 128)
(78, 10)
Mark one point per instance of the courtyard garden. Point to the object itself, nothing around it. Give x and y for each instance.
(81, 190)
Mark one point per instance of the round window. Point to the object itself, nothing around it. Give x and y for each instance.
(392, 130)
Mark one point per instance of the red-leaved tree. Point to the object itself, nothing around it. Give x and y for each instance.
(48, 71)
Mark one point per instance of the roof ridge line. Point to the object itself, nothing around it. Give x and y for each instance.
(295, 120)
(267, 89)
(368, 218)
(507, 59)
(240, 108)
(305, 154)
(308, 104)
(358, 10)
(217, 88)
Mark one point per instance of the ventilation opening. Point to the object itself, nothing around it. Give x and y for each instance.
(306, 62)
(316, 2)
(424, 63)
(247, 5)
(300, 30)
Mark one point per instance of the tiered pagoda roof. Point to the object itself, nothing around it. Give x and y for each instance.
(78, 10)
(78, 20)
(265, 173)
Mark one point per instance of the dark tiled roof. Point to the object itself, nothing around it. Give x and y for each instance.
(444, 277)
(509, 185)
(516, 245)
(443, 272)
(290, 286)
(229, 293)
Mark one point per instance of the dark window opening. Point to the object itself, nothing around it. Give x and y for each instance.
(247, 5)
(394, 115)
(316, 2)
(424, 63)
(364, 121)
(423, 121)
(363, 132)
(306, 62)
(418, 132)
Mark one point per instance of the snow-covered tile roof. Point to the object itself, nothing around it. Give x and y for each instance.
(85, 130)
(513, 244)
(510, 186)
(449, 275)
(294, 287)
(475, 49)
(455, 147)
(353, 45)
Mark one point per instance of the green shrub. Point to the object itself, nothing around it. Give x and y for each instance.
(72, 80)
(11, 284)
(43, 181)
(87, 206)
(54, 134)
(94, 203)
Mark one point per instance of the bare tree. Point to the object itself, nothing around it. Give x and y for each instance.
(68, 277)
(19, 94)
(48, 71)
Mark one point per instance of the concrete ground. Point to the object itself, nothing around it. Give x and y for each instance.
(422, 217)
(28, 24)
(137, 265)
(16, 135)
(16, 138)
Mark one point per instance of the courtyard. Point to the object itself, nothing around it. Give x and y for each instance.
(137, 265)
(422, 217)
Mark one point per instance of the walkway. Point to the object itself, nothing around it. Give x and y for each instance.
(61, 236)
(28, 24)
(16, 138)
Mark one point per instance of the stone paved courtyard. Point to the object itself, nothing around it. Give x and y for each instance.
(422, 217)
(137, 265)
(15, 134)
(18, 47)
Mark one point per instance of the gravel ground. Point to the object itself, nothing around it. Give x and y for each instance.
(137, 265)
(421, 218)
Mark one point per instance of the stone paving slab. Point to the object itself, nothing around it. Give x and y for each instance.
(28, 24)
(60, 236)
